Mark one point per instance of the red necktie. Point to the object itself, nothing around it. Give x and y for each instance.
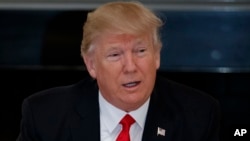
(126, 122)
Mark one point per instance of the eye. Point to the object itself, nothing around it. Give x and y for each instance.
(113, 56)
(141, 51)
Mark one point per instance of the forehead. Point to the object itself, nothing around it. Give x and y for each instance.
(123, 38)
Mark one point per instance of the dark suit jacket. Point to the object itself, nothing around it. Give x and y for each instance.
(71, 113)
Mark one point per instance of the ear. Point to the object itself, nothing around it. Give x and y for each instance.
(90, 64)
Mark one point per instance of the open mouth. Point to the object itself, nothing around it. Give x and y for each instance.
(131, 84)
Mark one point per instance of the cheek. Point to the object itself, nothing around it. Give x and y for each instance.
(108, 72)
(108, 79)
(148, 64)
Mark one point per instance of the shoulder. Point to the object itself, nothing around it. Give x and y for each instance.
(48, 112)
(193, 112)
(183, 96)
(58, 98)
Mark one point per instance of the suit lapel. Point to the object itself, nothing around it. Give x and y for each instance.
(161, 118)
(84, 121)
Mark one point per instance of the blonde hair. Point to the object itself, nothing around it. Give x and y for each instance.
(126, 17)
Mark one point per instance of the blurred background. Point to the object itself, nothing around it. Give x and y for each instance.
(206, 45)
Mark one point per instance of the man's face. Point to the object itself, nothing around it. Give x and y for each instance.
(125, 68)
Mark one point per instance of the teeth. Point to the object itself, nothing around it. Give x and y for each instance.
(130, 84)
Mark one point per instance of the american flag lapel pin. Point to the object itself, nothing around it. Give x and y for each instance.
(160, 131)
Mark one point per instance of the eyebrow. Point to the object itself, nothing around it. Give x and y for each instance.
(112, 48)
(142, 42)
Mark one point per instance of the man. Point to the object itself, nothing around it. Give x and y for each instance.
(121, 50)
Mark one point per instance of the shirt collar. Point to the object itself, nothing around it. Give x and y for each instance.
(112, 115)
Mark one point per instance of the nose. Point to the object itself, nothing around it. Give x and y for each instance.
(129, 63)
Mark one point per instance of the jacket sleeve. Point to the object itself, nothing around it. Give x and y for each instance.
(27, 129)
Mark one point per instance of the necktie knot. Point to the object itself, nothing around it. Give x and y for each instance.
(126, 122)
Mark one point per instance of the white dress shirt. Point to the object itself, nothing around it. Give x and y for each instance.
(110, 117)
